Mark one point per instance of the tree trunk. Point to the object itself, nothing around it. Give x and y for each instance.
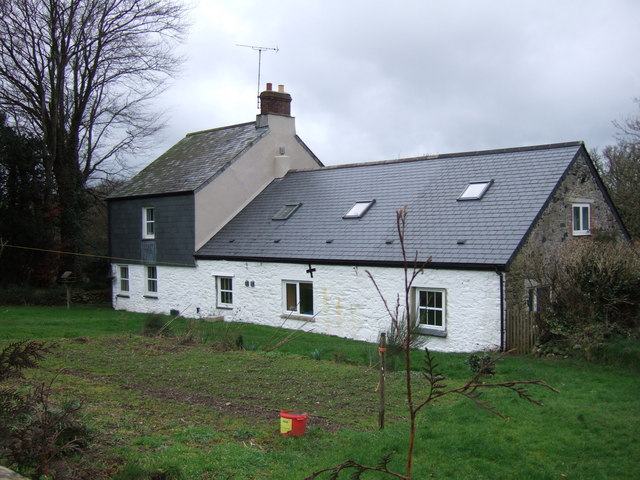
(71, 199)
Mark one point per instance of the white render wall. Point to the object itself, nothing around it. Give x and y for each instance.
(345, 300)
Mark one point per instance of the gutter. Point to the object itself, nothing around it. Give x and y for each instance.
(351, 262)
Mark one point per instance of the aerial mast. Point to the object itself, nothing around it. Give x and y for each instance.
(260, 50)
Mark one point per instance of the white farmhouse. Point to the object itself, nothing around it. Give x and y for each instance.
(244, 223)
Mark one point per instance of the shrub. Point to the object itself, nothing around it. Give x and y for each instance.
(317, 354)
(396, 339)
(595, 289)
(44, 431)
(35, 431)
(21, 355)
(482, 363)
(229, 337)
(156, 324)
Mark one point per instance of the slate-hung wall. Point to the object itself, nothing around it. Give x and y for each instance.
(173, 226)
(345, 301)
(555, 227)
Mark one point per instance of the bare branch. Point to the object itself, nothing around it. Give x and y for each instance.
(358, 469)
(80, 75)
(473, 388)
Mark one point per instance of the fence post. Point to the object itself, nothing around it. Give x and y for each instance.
(382, 354)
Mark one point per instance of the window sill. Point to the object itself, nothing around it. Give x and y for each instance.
(432, 332)
(582, 234)
(294, 316)
(152, 297)
(224, 307)
(122, 295)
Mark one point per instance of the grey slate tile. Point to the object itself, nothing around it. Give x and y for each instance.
(193, 161)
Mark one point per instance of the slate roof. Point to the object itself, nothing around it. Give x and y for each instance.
(490, 229)
(193, 161)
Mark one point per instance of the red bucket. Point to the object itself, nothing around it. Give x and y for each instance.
(292, 424)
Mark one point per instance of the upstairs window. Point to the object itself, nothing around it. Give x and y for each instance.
(286, 211)
(475, 190)
(124, 278)
(148, 223)
(298, 297)
(581, 219)
(359, 209)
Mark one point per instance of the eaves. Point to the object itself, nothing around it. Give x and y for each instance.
(360, 263)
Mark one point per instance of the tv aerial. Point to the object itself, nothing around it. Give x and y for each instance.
(259, 50)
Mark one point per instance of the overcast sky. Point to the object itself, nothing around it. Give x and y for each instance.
(377, 80)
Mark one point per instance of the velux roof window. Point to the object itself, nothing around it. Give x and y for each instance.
(286, 211)
(475, 190)
(359, 209)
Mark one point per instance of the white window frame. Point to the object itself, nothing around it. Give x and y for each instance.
(148, 226)
(223, 293)
(124, 279)
(439, 330)
(475, 190)
(359, 209)
(295, 308)
(151, 281)
(579, 229)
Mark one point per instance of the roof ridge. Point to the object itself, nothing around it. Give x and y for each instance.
(220, 128)
(548, 146)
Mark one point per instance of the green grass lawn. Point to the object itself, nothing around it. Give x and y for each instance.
(154, 404)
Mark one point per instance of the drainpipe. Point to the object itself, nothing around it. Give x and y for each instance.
(501, 275)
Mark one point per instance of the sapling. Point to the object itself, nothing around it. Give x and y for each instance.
(402, 324)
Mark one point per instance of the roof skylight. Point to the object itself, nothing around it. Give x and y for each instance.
(286, 211)
(475, 190)
(359, 209)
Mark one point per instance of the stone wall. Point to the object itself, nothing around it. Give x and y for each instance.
(345, 300)
(554, 229)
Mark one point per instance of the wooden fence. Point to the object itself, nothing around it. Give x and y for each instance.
(521, 330)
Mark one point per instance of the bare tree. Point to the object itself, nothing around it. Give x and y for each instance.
(79, 75)
(619, 167)
(402, 324)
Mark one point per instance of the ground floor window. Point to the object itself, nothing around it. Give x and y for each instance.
(298, 297)
(152, 280)
(538, 298)
(224, 286)
(431, 309)
(124, 277)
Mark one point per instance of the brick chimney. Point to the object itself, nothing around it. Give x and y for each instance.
(275, 102)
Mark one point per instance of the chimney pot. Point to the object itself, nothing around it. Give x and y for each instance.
(269, 86)
(281, 88)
